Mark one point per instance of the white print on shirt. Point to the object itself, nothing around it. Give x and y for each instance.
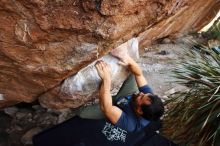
(114, 133)
(123, 101)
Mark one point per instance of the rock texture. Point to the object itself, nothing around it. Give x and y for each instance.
(42, 42)
(83, 86)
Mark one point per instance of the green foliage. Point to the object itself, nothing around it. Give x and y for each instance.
(194, 118)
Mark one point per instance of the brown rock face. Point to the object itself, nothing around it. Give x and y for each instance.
(83, 86)
(42, 42)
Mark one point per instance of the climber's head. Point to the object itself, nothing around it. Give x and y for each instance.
(148, 106)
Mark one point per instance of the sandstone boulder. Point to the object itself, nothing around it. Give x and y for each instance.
(83, 86)
(43, 42)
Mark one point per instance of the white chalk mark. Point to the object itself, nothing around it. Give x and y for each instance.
(97, 52)
(2, 97)
(77, 13)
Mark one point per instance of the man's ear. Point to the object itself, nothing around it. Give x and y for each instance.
(139, 111)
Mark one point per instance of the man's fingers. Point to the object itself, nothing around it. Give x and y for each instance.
(101, 65)
(98, 67)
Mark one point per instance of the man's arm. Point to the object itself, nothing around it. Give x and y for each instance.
(126, 60)
(136, 70)
(113, 113)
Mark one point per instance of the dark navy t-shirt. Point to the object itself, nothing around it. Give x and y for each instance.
(128, 120)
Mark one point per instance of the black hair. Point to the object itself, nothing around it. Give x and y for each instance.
(155, 110)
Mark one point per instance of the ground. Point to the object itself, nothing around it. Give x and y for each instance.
(19, 123)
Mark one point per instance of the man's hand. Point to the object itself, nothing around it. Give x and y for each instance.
(126, 60)
(122, 54)
(104, 70)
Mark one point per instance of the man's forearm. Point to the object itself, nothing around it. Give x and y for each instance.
(136, 70)
(134, 67)
(105, 95)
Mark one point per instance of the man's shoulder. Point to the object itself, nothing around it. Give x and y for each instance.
(126, 121)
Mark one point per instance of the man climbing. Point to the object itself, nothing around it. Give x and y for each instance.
(132, 108)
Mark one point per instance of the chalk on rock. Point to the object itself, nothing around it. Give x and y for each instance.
(1, 97)
(85, 84)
